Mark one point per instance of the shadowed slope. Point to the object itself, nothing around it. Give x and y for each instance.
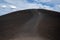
(38, 24)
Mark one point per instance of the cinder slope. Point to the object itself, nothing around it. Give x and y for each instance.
(30, 24)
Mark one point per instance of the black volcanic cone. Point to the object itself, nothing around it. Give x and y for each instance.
(30, 24)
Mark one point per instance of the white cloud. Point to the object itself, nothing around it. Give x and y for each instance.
(23, 4)
(43, 0)
(3, 6)
(12, 6)
(55, 2)
(47, 7)
(57, 8)
(49, 1)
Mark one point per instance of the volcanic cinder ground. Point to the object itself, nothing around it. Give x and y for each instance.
(30, 24)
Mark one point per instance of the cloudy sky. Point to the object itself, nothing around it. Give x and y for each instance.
(7, 6)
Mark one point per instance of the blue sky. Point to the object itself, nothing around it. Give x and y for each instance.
(7, 6)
